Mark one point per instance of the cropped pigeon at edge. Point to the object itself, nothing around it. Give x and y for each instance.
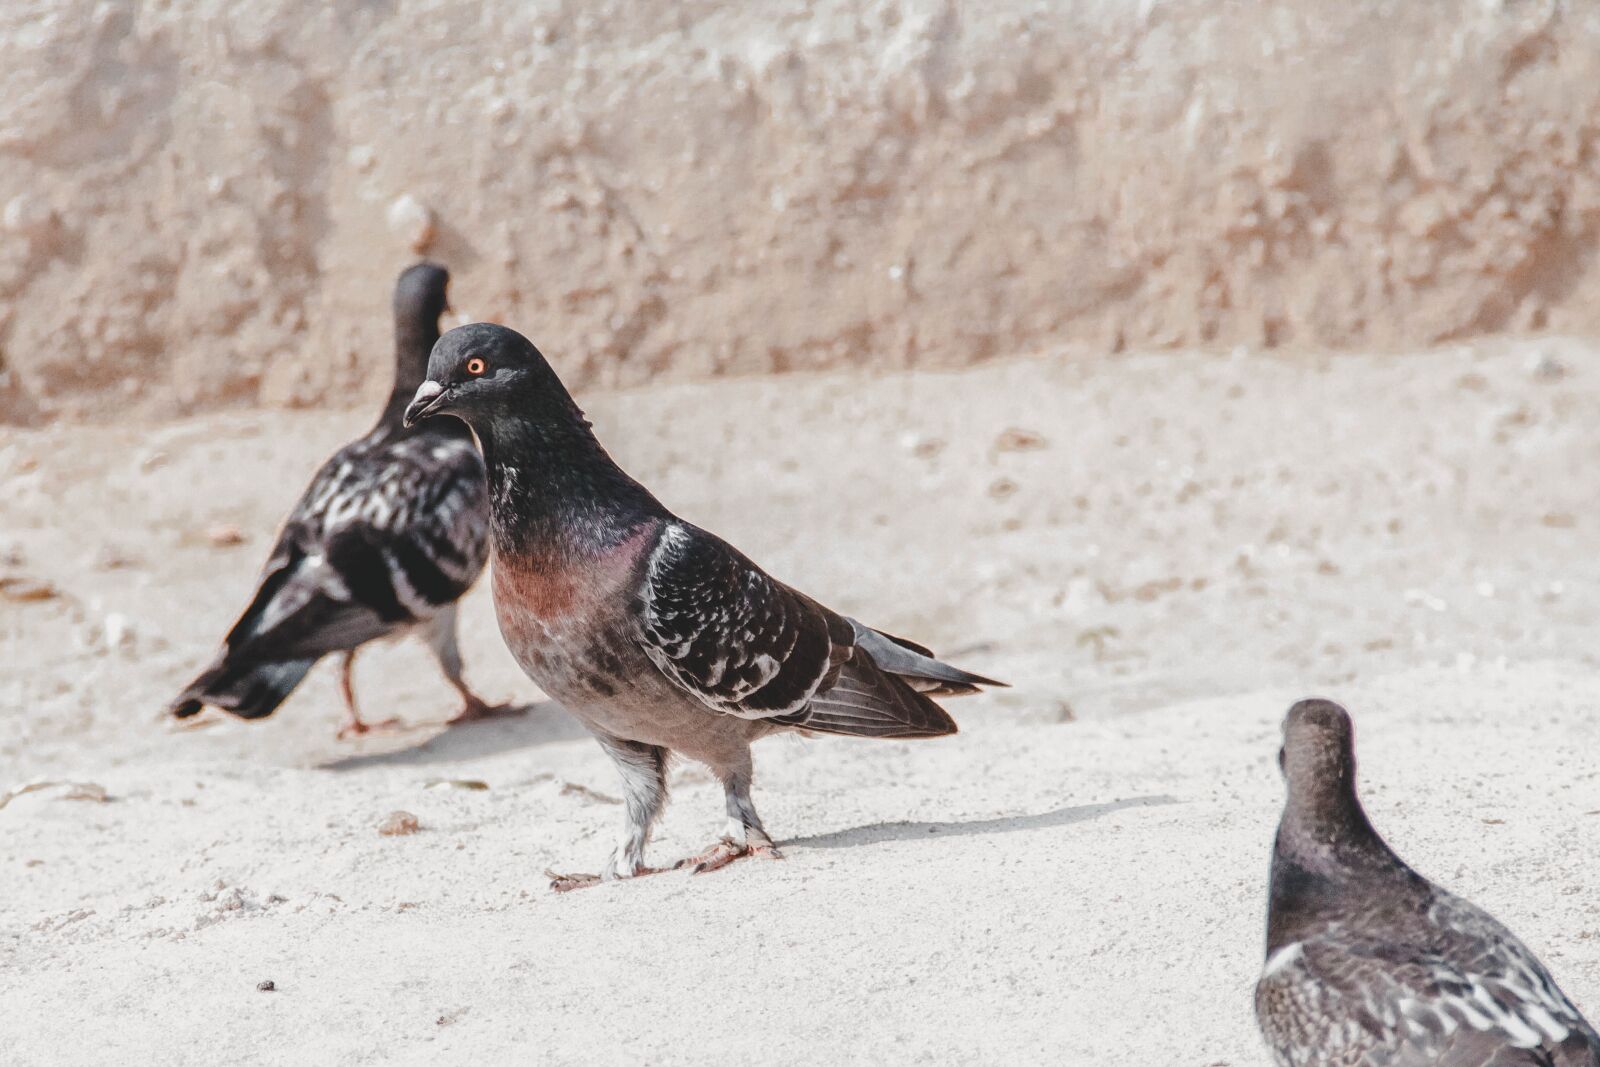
(658, 635)
(1369, 964)
(392, 530)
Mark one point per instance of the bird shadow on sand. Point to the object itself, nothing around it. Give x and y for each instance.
(879, 833)
(543, 723)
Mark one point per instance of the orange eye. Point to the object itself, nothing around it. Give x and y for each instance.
(476, 366)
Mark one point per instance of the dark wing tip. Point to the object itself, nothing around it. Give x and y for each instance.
(942, 726)
(987, 683)
(866, 701)
(897, 655)
(967, 678)
(907, 643)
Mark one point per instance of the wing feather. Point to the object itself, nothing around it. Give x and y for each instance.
(388, 532)
(1476, 998)
(381, 539)
(721, 628)
(745, 644)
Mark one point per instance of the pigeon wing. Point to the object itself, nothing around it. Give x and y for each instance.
(381, 539)
(1372, 1002)
(1486, 967)
(739, 641)
(745, 644)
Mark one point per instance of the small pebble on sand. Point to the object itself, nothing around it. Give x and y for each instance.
(398, 824)
(19, 588)
(1016, 439)
(224, 534)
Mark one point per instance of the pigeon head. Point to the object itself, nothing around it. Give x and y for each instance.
(419, 294)
(549, 478)
(1318, 754)
(488, 376)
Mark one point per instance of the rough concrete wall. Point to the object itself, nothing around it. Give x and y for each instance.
(199, 196)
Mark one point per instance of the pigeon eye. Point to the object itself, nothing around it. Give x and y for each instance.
(476, 366)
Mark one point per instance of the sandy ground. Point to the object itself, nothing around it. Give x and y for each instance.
(1161, 552)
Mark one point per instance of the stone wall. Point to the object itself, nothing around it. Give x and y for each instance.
(205, 201)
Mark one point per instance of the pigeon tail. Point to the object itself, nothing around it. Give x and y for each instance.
(912, 661)
(868, 702)
(252, 692)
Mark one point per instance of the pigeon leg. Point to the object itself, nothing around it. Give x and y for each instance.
(442, 641)
(354, 725)
(474, 707)
(644, 790)
(744, 835)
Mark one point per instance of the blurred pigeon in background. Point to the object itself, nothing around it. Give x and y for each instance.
(659, 636)
(391, 532)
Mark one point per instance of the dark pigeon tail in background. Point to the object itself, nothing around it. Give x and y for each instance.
(253, 693)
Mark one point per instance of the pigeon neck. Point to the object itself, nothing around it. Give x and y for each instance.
(413, 341)
(1325, 849)
(1323, 813)
(554, 490)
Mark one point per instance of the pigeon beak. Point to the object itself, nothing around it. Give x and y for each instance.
(425, 403)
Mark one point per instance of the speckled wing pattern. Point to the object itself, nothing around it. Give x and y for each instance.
(745, 644)
(1470, 996)
(388, 533)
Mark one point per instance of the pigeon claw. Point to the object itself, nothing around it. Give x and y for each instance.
(477, 710)
(725, 852)
(566, 883)
(359, 727)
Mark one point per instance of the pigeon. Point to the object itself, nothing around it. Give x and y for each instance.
(1371, 965)
(657, 635)
(391, 532)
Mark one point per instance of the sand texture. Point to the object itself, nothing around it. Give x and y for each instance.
(1162, 552)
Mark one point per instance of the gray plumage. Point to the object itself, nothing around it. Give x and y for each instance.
(657, 635)
(1371, 965)
(392, 530)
